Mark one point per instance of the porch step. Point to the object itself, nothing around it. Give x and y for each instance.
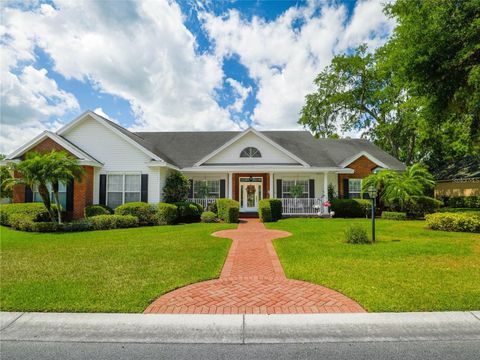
(249, 214)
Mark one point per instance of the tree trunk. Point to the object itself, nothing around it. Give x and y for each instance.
(45, 195)
(57, 201)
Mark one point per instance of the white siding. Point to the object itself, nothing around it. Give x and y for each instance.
(270, 154)
(117, 155)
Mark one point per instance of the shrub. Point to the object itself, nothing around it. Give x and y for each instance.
(462, 201)
(356, 234)
(265, 211)
(276, 206)
(467, 222)
(105, 222)
(24, 222)
(423, 205)
(94, 210)
(392, 215)
(166, 214)
(208, 217)
(228, 210)
(176, 188)
(77, 225)
(145, 213)
(188, 212)
(347, 208)
(212, 207)
(366, 206)
(45, 227)
(36, 212)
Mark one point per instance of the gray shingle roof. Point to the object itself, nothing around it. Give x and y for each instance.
(184, 149)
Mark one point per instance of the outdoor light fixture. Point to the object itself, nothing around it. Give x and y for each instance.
(372, 191)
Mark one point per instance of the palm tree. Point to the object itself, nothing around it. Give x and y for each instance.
(400, 188)
(61, 168)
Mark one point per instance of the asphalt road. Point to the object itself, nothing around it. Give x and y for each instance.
(457, 350)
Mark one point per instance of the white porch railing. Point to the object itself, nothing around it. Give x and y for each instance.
(303, 206)
(203, 201)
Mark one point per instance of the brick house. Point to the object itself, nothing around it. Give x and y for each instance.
(123, 166)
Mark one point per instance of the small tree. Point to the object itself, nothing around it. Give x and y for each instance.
(203, 192)
(296, 190)
(5, 178)
(176, 188)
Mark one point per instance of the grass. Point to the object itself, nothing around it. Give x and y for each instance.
(105, 271)
(410, 268)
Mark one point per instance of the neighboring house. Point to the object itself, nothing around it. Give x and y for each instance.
(123, 166)
(461, 178)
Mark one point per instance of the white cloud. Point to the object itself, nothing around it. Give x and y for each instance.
(284, 60)
(241, 93)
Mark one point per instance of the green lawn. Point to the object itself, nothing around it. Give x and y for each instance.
(410, 268)
(105, 271)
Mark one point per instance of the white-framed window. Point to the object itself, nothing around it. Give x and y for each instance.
(289, 187)
(206, 188)
(250, 152)
(354, 188)
(123, 188)
(62, 194)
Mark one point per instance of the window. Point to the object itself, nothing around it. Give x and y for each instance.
(295, 188)
(250, 152)
(354, 188)
(123, 188)
(62, 194)
(206, 188)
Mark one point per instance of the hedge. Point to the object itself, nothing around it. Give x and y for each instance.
(461, 201)
(166, 214)
(35, 211)
(423, 205)
(145, 213)
(466, 222)
(94, 210)
(188, 212)
(347, 208)
(392, 215)
(228, 210)
(270, 210)
(208, 217)
(106, 222)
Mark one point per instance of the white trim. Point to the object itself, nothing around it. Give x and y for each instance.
(351, 159)
(79, 153)
(99, 119)
(264, 168)
(261, 136)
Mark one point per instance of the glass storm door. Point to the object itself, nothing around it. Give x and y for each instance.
(250, 194)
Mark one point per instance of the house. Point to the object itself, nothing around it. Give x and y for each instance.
(123, 166)
(458, 179)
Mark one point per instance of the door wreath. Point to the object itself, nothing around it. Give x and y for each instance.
(250, 189)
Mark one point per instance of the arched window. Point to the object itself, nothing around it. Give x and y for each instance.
(250, 152)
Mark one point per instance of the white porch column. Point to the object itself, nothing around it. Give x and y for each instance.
(325, 190)
(230, 186)
(271, 192)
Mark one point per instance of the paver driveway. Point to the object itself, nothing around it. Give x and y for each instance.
(253, 282)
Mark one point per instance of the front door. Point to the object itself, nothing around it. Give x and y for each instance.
(250, 193)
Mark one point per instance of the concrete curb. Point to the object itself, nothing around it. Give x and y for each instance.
(239, 329)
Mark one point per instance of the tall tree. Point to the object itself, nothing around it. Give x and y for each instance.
(5, 177)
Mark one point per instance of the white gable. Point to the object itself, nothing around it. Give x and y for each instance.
(270, 153)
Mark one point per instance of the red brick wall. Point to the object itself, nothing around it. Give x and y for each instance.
(362, 167)
(18, 191)
(48, 145)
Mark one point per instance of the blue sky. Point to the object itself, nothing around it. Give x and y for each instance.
(159, 65)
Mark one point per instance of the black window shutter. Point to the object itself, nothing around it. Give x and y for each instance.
(28, 194)
(311, 188)
(222, 188)
(102, 199)
(144, 188)
(279, 189)
(345, 189)
(69, 202)
(190, 189)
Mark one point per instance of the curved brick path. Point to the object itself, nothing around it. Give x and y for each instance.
(252, 282)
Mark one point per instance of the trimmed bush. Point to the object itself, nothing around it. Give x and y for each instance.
(94, 210)
(208, 217)
(265, 211)
(423, 205)
(145, 213)
(166, 214)
(392, 215)
(462, 201)
(212, 207)
(188, 212)
(466, 222)
(366, 206)
(347, 208)
(35, 211)
(276, 206)
(24, 222)
(356, 234)
(228, 210)
(106, 222)
(77, 225)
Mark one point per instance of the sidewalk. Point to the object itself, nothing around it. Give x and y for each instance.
(239, 329)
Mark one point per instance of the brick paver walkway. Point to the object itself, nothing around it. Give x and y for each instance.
(253, 282)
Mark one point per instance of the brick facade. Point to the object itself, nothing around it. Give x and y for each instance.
(236, 183)
(82, 191)
(363, 167)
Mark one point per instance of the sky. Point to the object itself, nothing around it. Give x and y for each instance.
(164, 65)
